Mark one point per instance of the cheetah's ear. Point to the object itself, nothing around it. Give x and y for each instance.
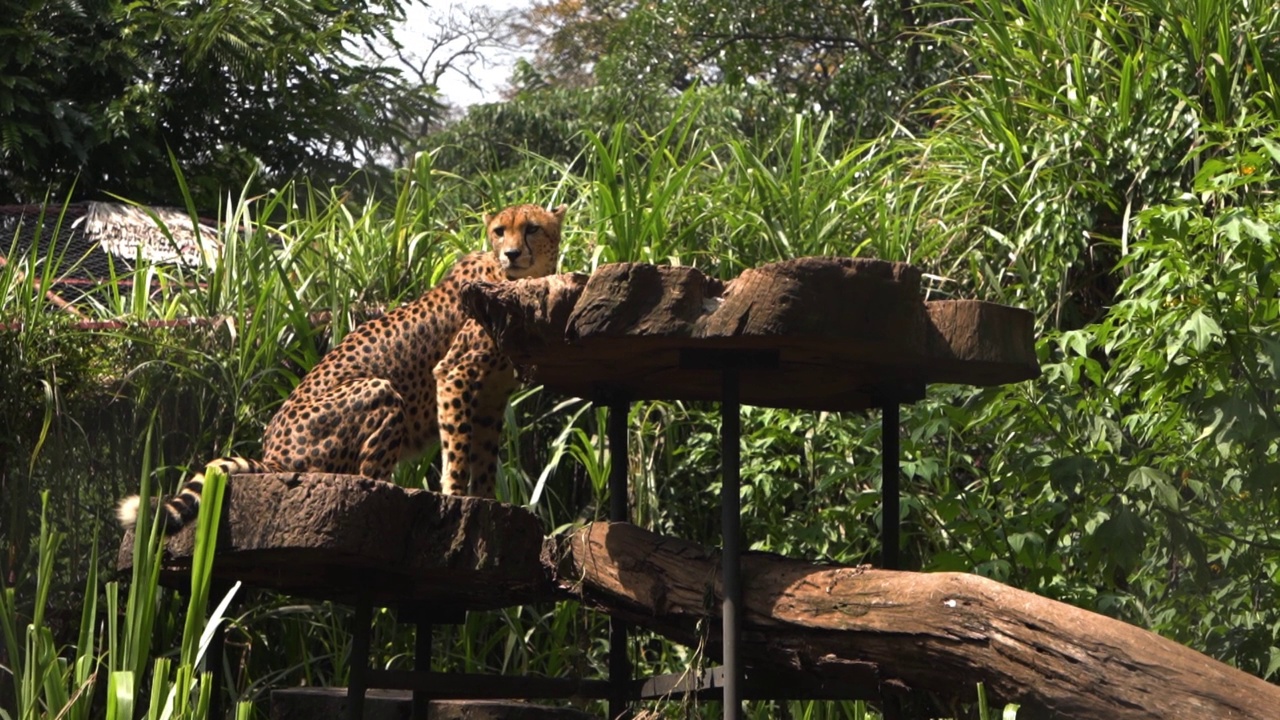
(487, 219)
(560, 211)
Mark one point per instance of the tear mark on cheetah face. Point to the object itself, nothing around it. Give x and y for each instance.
(526, 240)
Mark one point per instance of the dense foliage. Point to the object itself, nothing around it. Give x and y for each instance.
(862, 62)
(99, 95)
(1113, 168)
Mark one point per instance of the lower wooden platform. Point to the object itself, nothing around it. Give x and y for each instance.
(352, 539)
(311, 703)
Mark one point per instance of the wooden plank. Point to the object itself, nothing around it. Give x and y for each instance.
(311, 703)
(474, 686)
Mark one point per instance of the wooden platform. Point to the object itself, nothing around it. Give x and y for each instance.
(814, 333)
(311, 703)
(338, 537)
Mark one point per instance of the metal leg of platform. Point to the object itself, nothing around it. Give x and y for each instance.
(890, 449)
(421, 664)
(214, 663)
(619, 511)
(730, 528)
(890, 504)
(358, 674)
(215, 660)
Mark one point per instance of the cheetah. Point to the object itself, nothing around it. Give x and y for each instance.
(395, 385)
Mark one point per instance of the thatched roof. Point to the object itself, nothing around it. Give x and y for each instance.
(159, 235)
(89, 244)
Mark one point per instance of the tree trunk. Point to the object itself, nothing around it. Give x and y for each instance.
(938, 632)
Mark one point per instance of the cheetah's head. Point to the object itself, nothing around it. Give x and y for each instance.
(526, 239)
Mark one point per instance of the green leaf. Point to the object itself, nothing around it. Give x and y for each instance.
(1201, 330)
(1273, 663)
(1160, 485)
(1209, 171)
(1075, 341)
(1237, 224)
(1119, 539)
(120, 693)
(1067, 475)
(1271, 146)
(1126, 88)
(207, 522)
(1270, 360)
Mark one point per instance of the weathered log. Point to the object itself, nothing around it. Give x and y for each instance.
(973, 342)
(817, 333)
(939, 632)
(528, 314)
(350, 538)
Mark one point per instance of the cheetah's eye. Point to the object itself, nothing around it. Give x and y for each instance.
(531, 229)
(499, 230)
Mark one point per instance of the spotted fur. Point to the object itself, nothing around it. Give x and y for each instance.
(422, 373)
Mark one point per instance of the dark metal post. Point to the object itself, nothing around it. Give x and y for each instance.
(889, 485)
(889, 509)
(619, 662)
(421, 664)
(358, 674)
(730, 527)
(214, 663)
(617, 430)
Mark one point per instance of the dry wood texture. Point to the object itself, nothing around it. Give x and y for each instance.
(940, 632)
(347, 538)
(818, 333)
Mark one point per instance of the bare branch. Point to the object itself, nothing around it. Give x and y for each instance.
(462, 40)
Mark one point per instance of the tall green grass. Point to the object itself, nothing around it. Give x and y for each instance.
(115, 648)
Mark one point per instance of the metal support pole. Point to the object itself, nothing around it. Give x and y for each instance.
(214, 663)
(421, 664)
(358, 674)
(617, 430)
(619, 663)
(890, 449)
(889, 510)
(730, 527)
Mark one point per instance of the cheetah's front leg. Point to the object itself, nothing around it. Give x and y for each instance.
(473, 382)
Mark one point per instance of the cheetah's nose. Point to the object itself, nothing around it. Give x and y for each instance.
(512, 255)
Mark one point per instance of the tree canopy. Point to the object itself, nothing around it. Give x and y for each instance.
(863, 62)
(102, 92)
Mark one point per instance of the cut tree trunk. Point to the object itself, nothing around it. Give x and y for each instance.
(818, 333)
(938, 632)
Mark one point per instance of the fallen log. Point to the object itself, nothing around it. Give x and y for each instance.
(937, 632)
